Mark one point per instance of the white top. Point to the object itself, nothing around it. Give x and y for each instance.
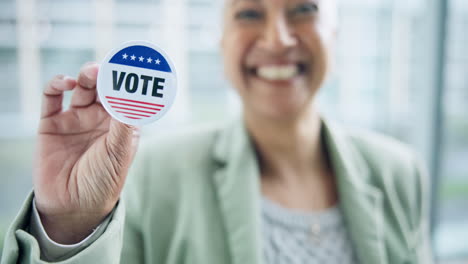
(291, 236)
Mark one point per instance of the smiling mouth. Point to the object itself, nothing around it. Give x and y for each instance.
(284, 72)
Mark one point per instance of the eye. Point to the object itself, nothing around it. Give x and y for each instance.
(249, 15)
(305, 9)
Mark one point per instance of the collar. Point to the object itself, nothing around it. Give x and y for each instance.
(238, 188)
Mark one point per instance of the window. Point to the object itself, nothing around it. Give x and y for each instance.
(452, 224)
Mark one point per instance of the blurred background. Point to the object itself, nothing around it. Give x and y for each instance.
(401, 69)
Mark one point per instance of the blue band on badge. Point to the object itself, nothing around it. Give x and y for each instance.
(141, 57)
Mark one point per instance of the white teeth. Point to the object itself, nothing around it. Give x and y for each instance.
(277, 72)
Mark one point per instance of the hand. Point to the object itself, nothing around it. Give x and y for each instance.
(82, 158)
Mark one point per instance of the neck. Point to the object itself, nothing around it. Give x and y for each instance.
(288, 150)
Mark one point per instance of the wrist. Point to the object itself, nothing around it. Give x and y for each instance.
(71, 228)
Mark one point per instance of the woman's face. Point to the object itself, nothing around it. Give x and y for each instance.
(276, 53)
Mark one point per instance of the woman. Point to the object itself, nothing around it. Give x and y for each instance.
(281, 185)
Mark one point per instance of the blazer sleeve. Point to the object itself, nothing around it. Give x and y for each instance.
(53, 251)
(21, 247)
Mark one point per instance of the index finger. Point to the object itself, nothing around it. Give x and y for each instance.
(53, 94)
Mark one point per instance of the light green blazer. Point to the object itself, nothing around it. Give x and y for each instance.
(194, 198)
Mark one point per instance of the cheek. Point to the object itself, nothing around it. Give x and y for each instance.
(311, 36)
(317, 42)
(234, 53)
(236, 45)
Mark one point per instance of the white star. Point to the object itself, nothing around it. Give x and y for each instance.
(132, 57)
(141, 58)
(125, 56)
(157, 61)
(149, 60)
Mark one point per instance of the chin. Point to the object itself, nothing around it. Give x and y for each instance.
(278, 110)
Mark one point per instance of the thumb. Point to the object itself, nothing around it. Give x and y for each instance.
(121, 142)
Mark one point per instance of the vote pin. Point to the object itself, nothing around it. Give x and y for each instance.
(137, 83)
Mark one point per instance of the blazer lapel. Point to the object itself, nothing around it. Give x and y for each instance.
(237, 186)
(238, 191)
(361, 203)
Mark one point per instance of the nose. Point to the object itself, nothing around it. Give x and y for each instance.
(278, 36)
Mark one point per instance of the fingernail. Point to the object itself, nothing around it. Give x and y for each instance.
(91, 72)
(57, 83)
(88, 74)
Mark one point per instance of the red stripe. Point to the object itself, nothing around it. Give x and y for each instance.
(131, 109)
(127, 100)
(113, 102)
(133, 117)
(132, 113)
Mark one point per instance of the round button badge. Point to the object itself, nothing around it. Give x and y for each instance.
(137, 83)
